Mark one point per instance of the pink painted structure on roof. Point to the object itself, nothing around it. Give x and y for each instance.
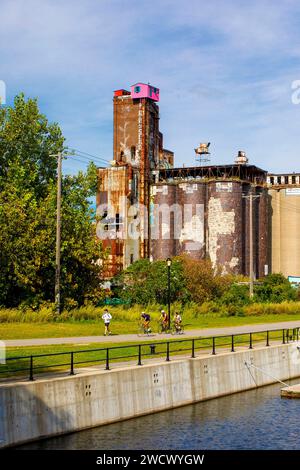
(141, 90)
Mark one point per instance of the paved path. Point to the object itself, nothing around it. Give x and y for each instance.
(155, 337)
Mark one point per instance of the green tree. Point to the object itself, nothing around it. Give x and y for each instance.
(28, 214)
(191, 280)
(145, 282)
(28, 143)
(275, 288)
(237, 295)
(202, 281)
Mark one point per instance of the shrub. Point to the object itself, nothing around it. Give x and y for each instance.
(237, 294)
(275, 288)
(256, 309)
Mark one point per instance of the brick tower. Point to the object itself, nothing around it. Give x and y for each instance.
(124, 188)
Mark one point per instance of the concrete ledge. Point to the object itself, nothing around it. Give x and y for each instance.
(53, 406)
(291, 392)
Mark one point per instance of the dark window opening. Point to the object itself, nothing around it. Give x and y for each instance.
(137, 89)
(279, 179)
(286, 180)
(133, 150)
(122, 156)
(104, 215)
(134, 188)
(117, 222)
(272, 180)
(131, 258)
(118, 248)
(293, 179)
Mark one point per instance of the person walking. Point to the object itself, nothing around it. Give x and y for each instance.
(106, 317)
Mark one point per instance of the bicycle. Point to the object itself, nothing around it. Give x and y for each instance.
(177, 329)
(163, 327)
(144, 330)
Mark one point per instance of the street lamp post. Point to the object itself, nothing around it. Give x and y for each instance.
(169, 262)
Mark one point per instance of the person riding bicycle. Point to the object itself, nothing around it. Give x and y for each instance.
(146, 322)
(177, 322)
(164, 319)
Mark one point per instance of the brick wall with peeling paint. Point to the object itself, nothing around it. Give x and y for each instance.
(216, 224)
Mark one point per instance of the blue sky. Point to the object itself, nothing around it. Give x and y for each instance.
(224, 69)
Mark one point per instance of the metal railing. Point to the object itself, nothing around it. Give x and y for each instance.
(168, 348)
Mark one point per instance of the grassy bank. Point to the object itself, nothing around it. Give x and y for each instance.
(93, 354)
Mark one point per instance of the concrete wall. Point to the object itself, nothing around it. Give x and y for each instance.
(31, 410)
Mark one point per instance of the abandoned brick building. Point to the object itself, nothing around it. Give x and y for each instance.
(149, 209)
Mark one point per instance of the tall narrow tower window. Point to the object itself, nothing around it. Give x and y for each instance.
(117, 222)
(133, 152)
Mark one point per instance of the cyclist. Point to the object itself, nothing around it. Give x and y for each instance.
(164, 319)
(177, 322)
(146, 322)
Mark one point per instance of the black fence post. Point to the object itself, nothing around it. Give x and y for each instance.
(107, 359)
(168, 352)
(72, 364)
(193, 348)
(287, 335)
(140, 355)
(232, 343)
(268, 344)
(250, 342)
(283, 336)
(31, 369)
(297, 334)
(214, 346)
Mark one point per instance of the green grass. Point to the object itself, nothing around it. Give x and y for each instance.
(85, 355)
(95, 328)
(60, 330)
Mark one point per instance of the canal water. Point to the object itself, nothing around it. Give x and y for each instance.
(256, 419)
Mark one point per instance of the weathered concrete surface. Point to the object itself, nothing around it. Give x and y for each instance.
(55, 406)
(291, 392)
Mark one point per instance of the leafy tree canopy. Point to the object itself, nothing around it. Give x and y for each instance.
(28, 144)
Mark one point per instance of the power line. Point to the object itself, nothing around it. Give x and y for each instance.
(77, 159)
(88, 159)
(87, 155)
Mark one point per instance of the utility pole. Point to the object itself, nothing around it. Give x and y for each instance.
(58, 232)
(169, 262)
(251, 243)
